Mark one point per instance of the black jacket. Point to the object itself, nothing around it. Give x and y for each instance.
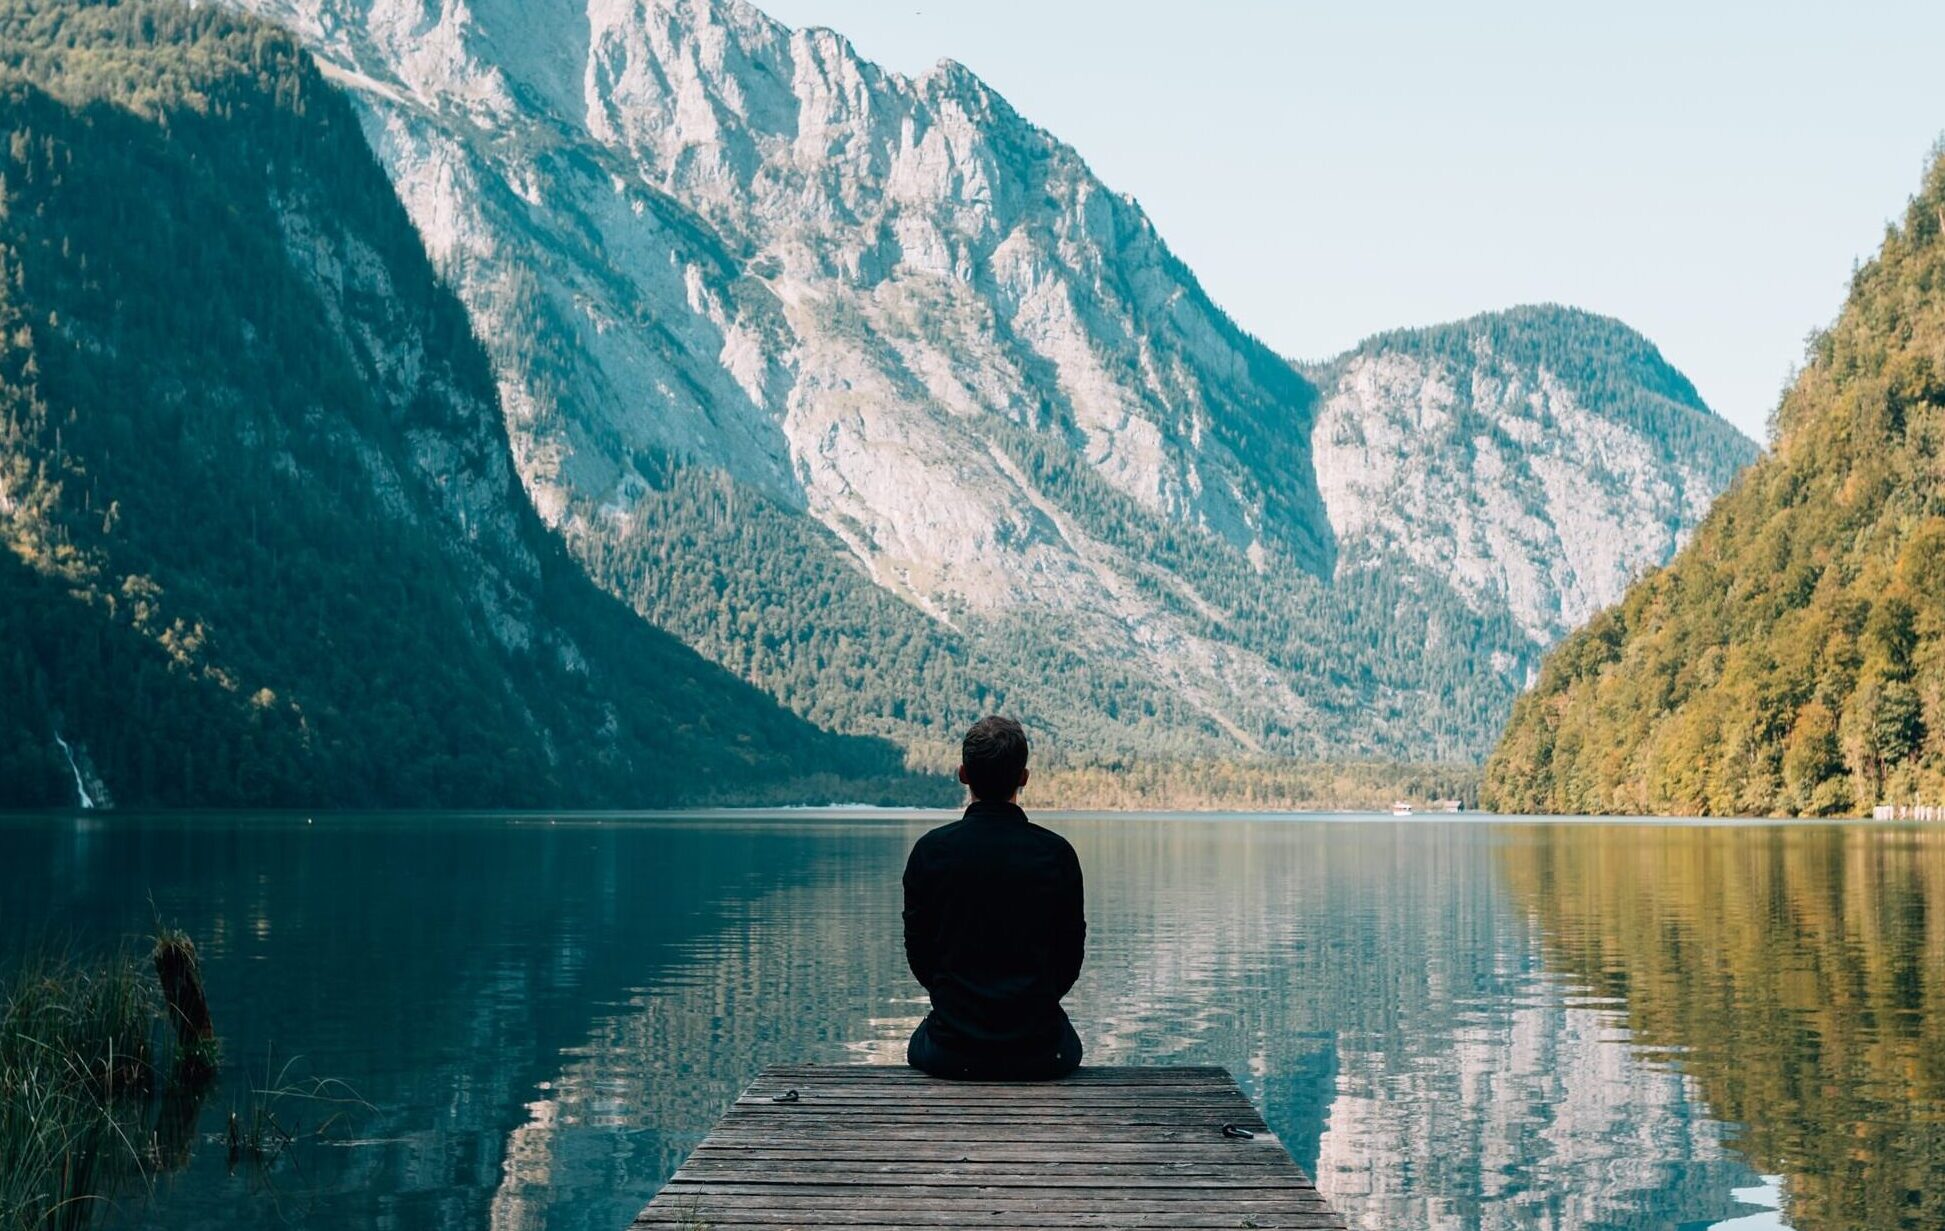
(994, 927)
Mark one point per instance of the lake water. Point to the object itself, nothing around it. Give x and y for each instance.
(1452, 1024)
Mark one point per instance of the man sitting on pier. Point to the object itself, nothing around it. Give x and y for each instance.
(994, 927)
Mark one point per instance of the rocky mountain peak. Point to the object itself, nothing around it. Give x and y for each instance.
(1540, 458)
(714, 254)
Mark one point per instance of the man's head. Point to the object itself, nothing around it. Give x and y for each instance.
(993, 760)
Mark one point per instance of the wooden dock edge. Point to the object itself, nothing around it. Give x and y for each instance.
(871, 1147)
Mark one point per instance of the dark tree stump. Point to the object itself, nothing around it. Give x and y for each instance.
(181, 975)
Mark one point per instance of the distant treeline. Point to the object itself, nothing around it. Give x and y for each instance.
(1612, 370)
(1248, 786)
(1386, 658)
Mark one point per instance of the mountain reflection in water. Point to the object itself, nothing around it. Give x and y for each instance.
(549, 1013)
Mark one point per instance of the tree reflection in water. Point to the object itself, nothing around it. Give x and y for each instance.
(1797, 973)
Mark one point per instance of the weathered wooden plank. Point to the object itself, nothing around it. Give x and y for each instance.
(1209, 1216)
(732, 1211)
(895, 1074)
(863, 1148)
(1126, 1178)
(1080, 1079)
(1046, 1152)
(946, 1092)
(1053, 1120)
(951, 1092)
(1010, 1226)
(1033, 1161)
(1106, 1075)
(985, 1196)
(795, 1190)
(1211, 1213)
(870, 1077)
(967, 1107)
(730, 1163)
(1016, 1134)
(815, 1106)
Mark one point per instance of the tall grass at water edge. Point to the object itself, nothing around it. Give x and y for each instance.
(76, 1071)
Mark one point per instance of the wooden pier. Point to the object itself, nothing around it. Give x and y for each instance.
(869, 1147)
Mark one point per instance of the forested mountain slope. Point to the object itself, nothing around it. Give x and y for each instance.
(867, 388)
(1792, 658)
(262, 538)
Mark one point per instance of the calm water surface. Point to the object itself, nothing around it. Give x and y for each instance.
(1453, 1025)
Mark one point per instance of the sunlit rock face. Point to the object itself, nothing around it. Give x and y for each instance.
(753, 249)
(694, 237)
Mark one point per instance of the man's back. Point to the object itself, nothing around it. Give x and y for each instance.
(995, 930)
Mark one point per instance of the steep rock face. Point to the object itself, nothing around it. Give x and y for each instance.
(1792, 658)
(1538, 459)
(262, 542)
(771, 323)
(859, 269)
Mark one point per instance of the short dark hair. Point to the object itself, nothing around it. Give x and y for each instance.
(994, 753)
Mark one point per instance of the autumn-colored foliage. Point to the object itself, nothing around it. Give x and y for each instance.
(1791, 659)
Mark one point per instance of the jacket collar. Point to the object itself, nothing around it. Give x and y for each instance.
(994, 810)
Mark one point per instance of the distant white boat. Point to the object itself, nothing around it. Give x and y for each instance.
(1401, 808)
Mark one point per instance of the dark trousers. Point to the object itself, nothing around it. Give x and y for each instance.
(1037, 1063)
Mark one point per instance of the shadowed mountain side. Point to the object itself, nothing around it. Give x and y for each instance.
(264, 542)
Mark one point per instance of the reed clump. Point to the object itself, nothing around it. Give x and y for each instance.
(76, 1072)
(104, 1071)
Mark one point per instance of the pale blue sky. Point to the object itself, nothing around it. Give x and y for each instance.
(1706, 172)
